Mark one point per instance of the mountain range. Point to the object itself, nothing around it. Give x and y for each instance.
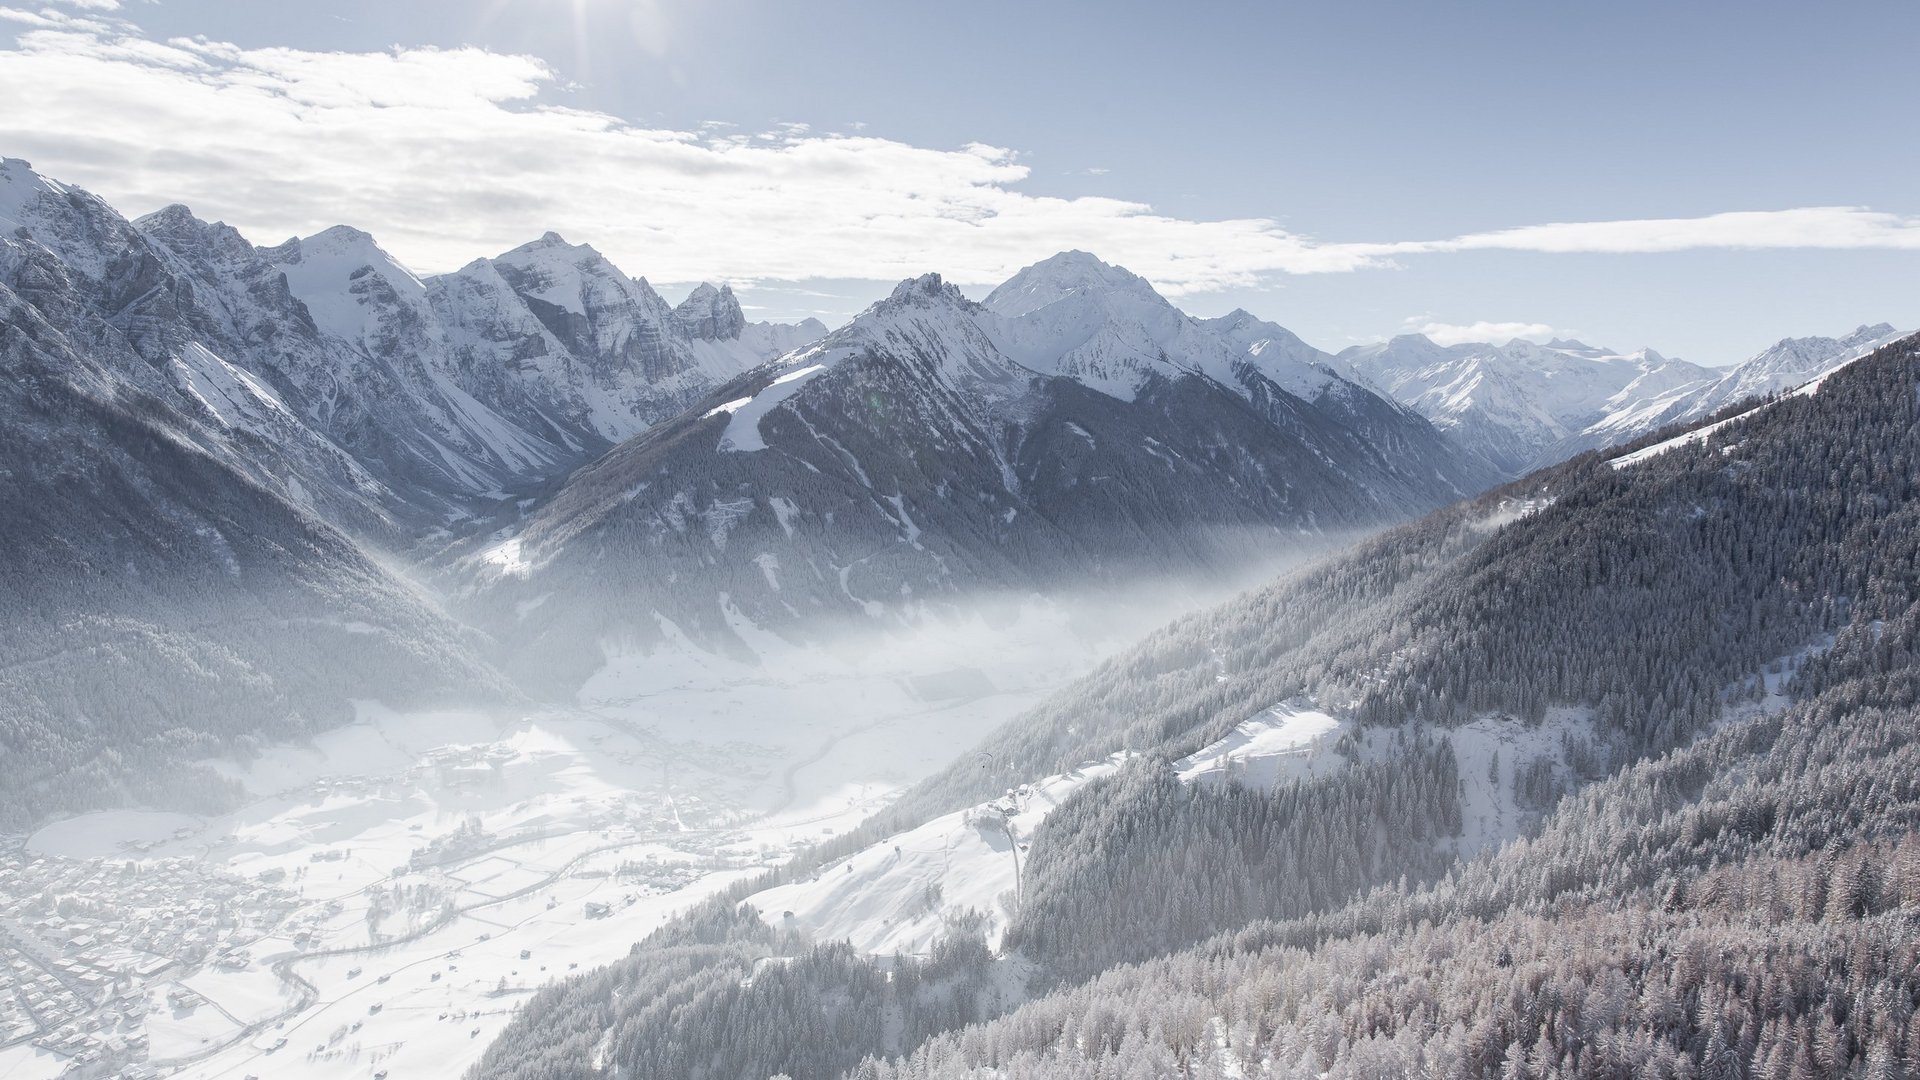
(1072, 427)
(1525, 406)
(477, 484)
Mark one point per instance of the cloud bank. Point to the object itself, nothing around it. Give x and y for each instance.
(447, 154)
(1499, 333)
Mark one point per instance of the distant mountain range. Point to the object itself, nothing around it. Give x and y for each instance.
(1525, 406)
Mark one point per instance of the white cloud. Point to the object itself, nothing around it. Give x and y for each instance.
(1831, 227)
(450, 154)
(1498, 333)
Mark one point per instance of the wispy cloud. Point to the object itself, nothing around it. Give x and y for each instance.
(1831, 227)
(1498, 333)
(449, 154)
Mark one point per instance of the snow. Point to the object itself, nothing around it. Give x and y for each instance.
(1515, 401)
(1688, 438)
(743, 428)
(26, 1061)
(248, 996)
(1490, 815)
(108, 833)
(1806, 389)
(235, 397)
(897, 894)
(507, 557)
(564, 271)
(320, 274)
(569, 802)
(20, 189)
(174, 1033)
(786, 510)
(1273, 746)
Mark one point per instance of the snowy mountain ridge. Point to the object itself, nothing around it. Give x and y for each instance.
(1512, 402)
(1074, 425)
(1526, 406)
(444, 394)
(1788, 363)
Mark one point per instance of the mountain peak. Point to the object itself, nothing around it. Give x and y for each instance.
(1863, 334)
(1059, 276)
(175, 226)
(928, 286)
(342, 235)
(712, 314)
(20, 187)
(171, 215)
(549, 246)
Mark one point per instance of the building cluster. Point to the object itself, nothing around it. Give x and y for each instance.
(84, 942)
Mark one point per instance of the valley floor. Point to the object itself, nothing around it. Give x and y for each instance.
(395, 888)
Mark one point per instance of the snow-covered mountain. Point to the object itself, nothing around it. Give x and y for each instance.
(1074, 426)
(563, 342)
(1512, 403)
(1525, 406)
(389, 404)
(171, 588)
(1784, 365)
(213, 448)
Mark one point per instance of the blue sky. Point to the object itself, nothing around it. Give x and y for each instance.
(1350, 170)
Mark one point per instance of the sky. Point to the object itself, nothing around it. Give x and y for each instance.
(1700, 178)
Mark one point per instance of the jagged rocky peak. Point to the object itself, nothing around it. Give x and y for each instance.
(576, 278)
(1057, 277)
(711, 314)
(924, 288)
(177, 228)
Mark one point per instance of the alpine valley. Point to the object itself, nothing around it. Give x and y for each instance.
(513, 673)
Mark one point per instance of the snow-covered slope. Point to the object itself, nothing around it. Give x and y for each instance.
(899, 894)
(1793, 378)
(1526, 406)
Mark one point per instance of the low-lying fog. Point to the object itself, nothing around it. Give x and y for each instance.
(395, 887)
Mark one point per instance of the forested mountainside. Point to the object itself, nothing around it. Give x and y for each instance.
(1075, 428)
(1712, 891)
